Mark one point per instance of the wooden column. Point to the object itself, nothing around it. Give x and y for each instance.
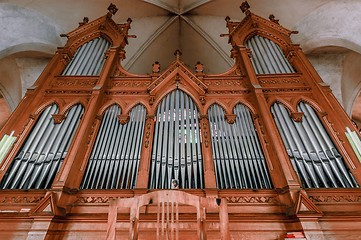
(147, 145)
(285, 176)
(208, 164)
(68, 176)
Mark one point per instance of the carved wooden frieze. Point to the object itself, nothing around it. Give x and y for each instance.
(20, 199)
(336, 198)
(130, 83)
(252, 199)
(71, 82)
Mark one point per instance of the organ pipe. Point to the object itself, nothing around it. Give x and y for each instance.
(43, 152)
(313, 155)
(267, 56)
(114, 160)
(238, 157)
(88, 60)
(176, 153)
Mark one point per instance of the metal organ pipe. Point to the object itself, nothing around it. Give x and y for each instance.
(267, 57)
(311, 150)
(88, 60)
(237, 154)
(176, 144)
(40, 158)
(114, 161)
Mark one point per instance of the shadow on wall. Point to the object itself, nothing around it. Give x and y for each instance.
(4, 111)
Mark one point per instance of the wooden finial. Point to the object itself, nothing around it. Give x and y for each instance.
(199, 68)
(112, 9)
(156, 67)
(245, 8)
(273, 19)
(177, 53)
(85, 21)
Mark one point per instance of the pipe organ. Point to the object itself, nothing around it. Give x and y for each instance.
(259, 148)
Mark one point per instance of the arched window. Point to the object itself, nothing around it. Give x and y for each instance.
(43, 152)
(177, 156)
(237, 154)
(311, 150)
(114, 161)
(267, 56)
(89, 59)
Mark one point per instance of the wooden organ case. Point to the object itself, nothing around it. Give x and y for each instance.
(257, 152)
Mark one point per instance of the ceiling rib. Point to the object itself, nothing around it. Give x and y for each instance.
(149, 41)
(210, 40)
(194, 5)
(163, 5)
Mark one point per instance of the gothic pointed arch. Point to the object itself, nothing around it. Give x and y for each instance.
(177, 155)
(311, 150)
(238, 157)
(114, 160)
(42, 153)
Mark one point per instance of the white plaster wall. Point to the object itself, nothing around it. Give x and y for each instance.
(330, 67)
(30, 69)
(10, 84)
(22, 29)
(351, 80)
(336, 23)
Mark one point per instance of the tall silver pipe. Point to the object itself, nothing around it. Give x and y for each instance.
(237, 158)
(313, 140)
(329, 149)
(96, 66)
(268, 57)
(175, 154)
(300, 149)
(116, 164)
(29, 157)
(88, 59)
(40, 157)
(291, 149)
